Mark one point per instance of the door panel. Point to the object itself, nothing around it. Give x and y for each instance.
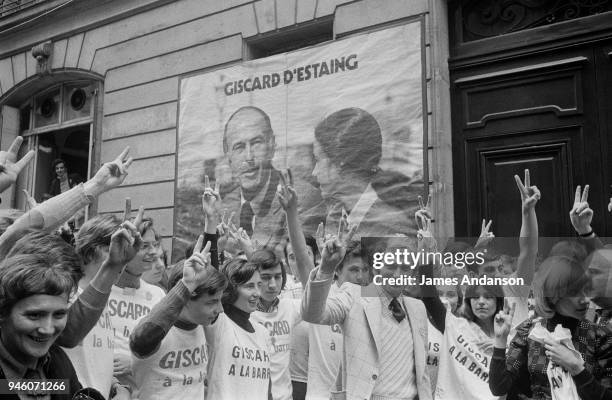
(537, 112)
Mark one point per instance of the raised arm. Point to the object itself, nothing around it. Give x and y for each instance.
(317, 306)
(581, 216)
(55, 211)
(289, 201)
(505, 367)
(528, 239)
(87, 308)
(426, 241)
(148, 335)
(10, 167)
(211, 201)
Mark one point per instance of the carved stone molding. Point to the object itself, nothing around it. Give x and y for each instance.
(42, 53)
(488, 18)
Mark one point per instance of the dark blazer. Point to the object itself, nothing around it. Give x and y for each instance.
(58, 367)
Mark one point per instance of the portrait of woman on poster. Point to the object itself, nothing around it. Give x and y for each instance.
(347, 152)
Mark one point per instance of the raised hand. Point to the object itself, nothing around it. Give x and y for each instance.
(127, 240)
(503, 323)
(30, 201)
(112, 174)
(9, 166)
(286, 193)
(332, 255)
(581, 214)
(243, 239)
(486, 236)
(345, 231)
(320, 237)
(563, 356)
(197, 267)
(424, 210)
(530, 195)
(210, 199)
(610, 205)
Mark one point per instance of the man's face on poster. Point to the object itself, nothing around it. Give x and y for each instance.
(250, 148)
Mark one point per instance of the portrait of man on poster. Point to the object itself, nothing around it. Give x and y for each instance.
(249, 144)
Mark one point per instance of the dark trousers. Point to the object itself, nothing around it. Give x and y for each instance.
(299, 390)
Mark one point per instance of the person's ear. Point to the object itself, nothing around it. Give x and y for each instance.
(271, 146)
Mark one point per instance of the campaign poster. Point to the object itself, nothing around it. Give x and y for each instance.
(345, 117)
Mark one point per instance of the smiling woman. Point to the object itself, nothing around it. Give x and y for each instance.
(232, 374)
(33, 312)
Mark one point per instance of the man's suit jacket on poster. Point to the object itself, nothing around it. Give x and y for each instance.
(268, 212)
(360, 317)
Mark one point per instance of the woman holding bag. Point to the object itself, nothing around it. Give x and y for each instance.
(559, 291)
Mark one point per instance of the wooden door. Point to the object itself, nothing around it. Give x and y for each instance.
(543, 106)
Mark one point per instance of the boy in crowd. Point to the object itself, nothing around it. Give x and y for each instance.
(132, 298)
(169, 344)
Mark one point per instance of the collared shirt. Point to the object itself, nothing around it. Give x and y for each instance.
(13, 369)
(268, 308)
(363, 205)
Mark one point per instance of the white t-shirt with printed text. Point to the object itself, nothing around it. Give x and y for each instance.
(93, 357)
(280, 324)
(126, 306)
(434, 344)
(325, 346)
(239, 361)
(177, 370)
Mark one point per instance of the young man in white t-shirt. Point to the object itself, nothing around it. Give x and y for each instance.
(96, 243)
(281, 315)
(168, 345)
(132, 298)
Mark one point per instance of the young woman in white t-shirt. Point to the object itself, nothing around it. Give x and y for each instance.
(239, 350)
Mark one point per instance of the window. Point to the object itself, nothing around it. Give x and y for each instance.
(57, 124)
(292, 38)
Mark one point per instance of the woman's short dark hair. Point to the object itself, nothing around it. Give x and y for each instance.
(216, 281)
(52, 247)
(26, 275)
(470, 293)
(341, 136)
(238, 272)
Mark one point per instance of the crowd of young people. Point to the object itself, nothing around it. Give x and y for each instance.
(102, 311)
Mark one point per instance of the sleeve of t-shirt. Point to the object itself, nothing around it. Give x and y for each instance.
(152, 328)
